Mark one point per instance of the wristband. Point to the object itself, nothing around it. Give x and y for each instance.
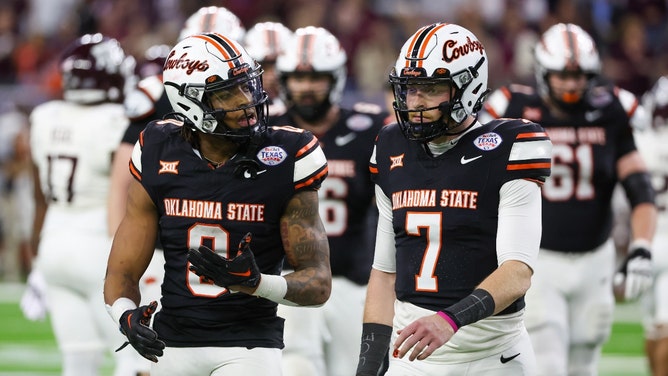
(449, 320)
(476, 306)
(274, 288)
(119, 307)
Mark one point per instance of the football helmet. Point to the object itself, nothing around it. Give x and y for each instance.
(565, 48)
(313, 50)
(213, 20)
(154, 59)
(266, 40)
(436, 54)
(95, 69)
(203, 65)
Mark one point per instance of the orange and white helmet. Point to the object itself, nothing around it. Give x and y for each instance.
(213, 20)
(435, 54)
(565, 47)
(203, 64)
(314, 50)
(266, 40)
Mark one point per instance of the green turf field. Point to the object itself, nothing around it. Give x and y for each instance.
(28, 348)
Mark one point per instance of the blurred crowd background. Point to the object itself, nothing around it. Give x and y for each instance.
(632, 34)
(632, 37)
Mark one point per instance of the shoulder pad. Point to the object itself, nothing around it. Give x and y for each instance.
(639, 116)
(158, 130)
(368, 108)
(152, 86)
(496, 104)
(141, 101)
(521, 89)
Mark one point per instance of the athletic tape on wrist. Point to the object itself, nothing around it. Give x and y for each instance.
(476, 306)
(119, 307)
(274, 288)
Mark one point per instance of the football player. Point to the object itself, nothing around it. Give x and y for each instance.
(230, 199)
(312, 76)
(149, 102)
(459, 229)
(652, 145)
(589, 122)
(72, 142)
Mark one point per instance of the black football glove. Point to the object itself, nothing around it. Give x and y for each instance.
(240, 270)
(135, 326)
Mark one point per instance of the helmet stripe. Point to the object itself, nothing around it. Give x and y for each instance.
(305, 49)
(208, 19)
(570, 40)
(229, 51)
(418, 46)
(271, 37)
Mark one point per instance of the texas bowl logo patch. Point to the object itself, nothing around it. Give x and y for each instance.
(359, 122)
(488, 141)
(271, 155)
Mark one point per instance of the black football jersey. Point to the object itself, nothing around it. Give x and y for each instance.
(587, 144)
(445, 208)
(199, 205)
(346, 197)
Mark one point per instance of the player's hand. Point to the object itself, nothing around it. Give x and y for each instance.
(33, 301)
(634, 276)
(135, 325)
(240, 270)
(423, 335)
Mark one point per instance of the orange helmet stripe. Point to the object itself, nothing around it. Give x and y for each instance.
(224, 46)
(419, 43)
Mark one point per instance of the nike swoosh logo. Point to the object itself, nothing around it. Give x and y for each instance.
(248, 175)
(505, 360)
(247, 273)
(464, 160)
(345, 139)
(592, 115)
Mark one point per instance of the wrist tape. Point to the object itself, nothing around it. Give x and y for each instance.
(274, 288)
(118, 308)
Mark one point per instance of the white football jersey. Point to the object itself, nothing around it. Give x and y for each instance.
(651, 144)
(72, 146)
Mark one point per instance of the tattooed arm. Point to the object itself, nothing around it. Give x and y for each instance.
(307, 250)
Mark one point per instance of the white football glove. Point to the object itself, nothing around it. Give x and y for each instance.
(635, 273)
(33, 301)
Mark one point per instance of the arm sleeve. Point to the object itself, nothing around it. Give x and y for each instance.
(519, 231)
(384, 255)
